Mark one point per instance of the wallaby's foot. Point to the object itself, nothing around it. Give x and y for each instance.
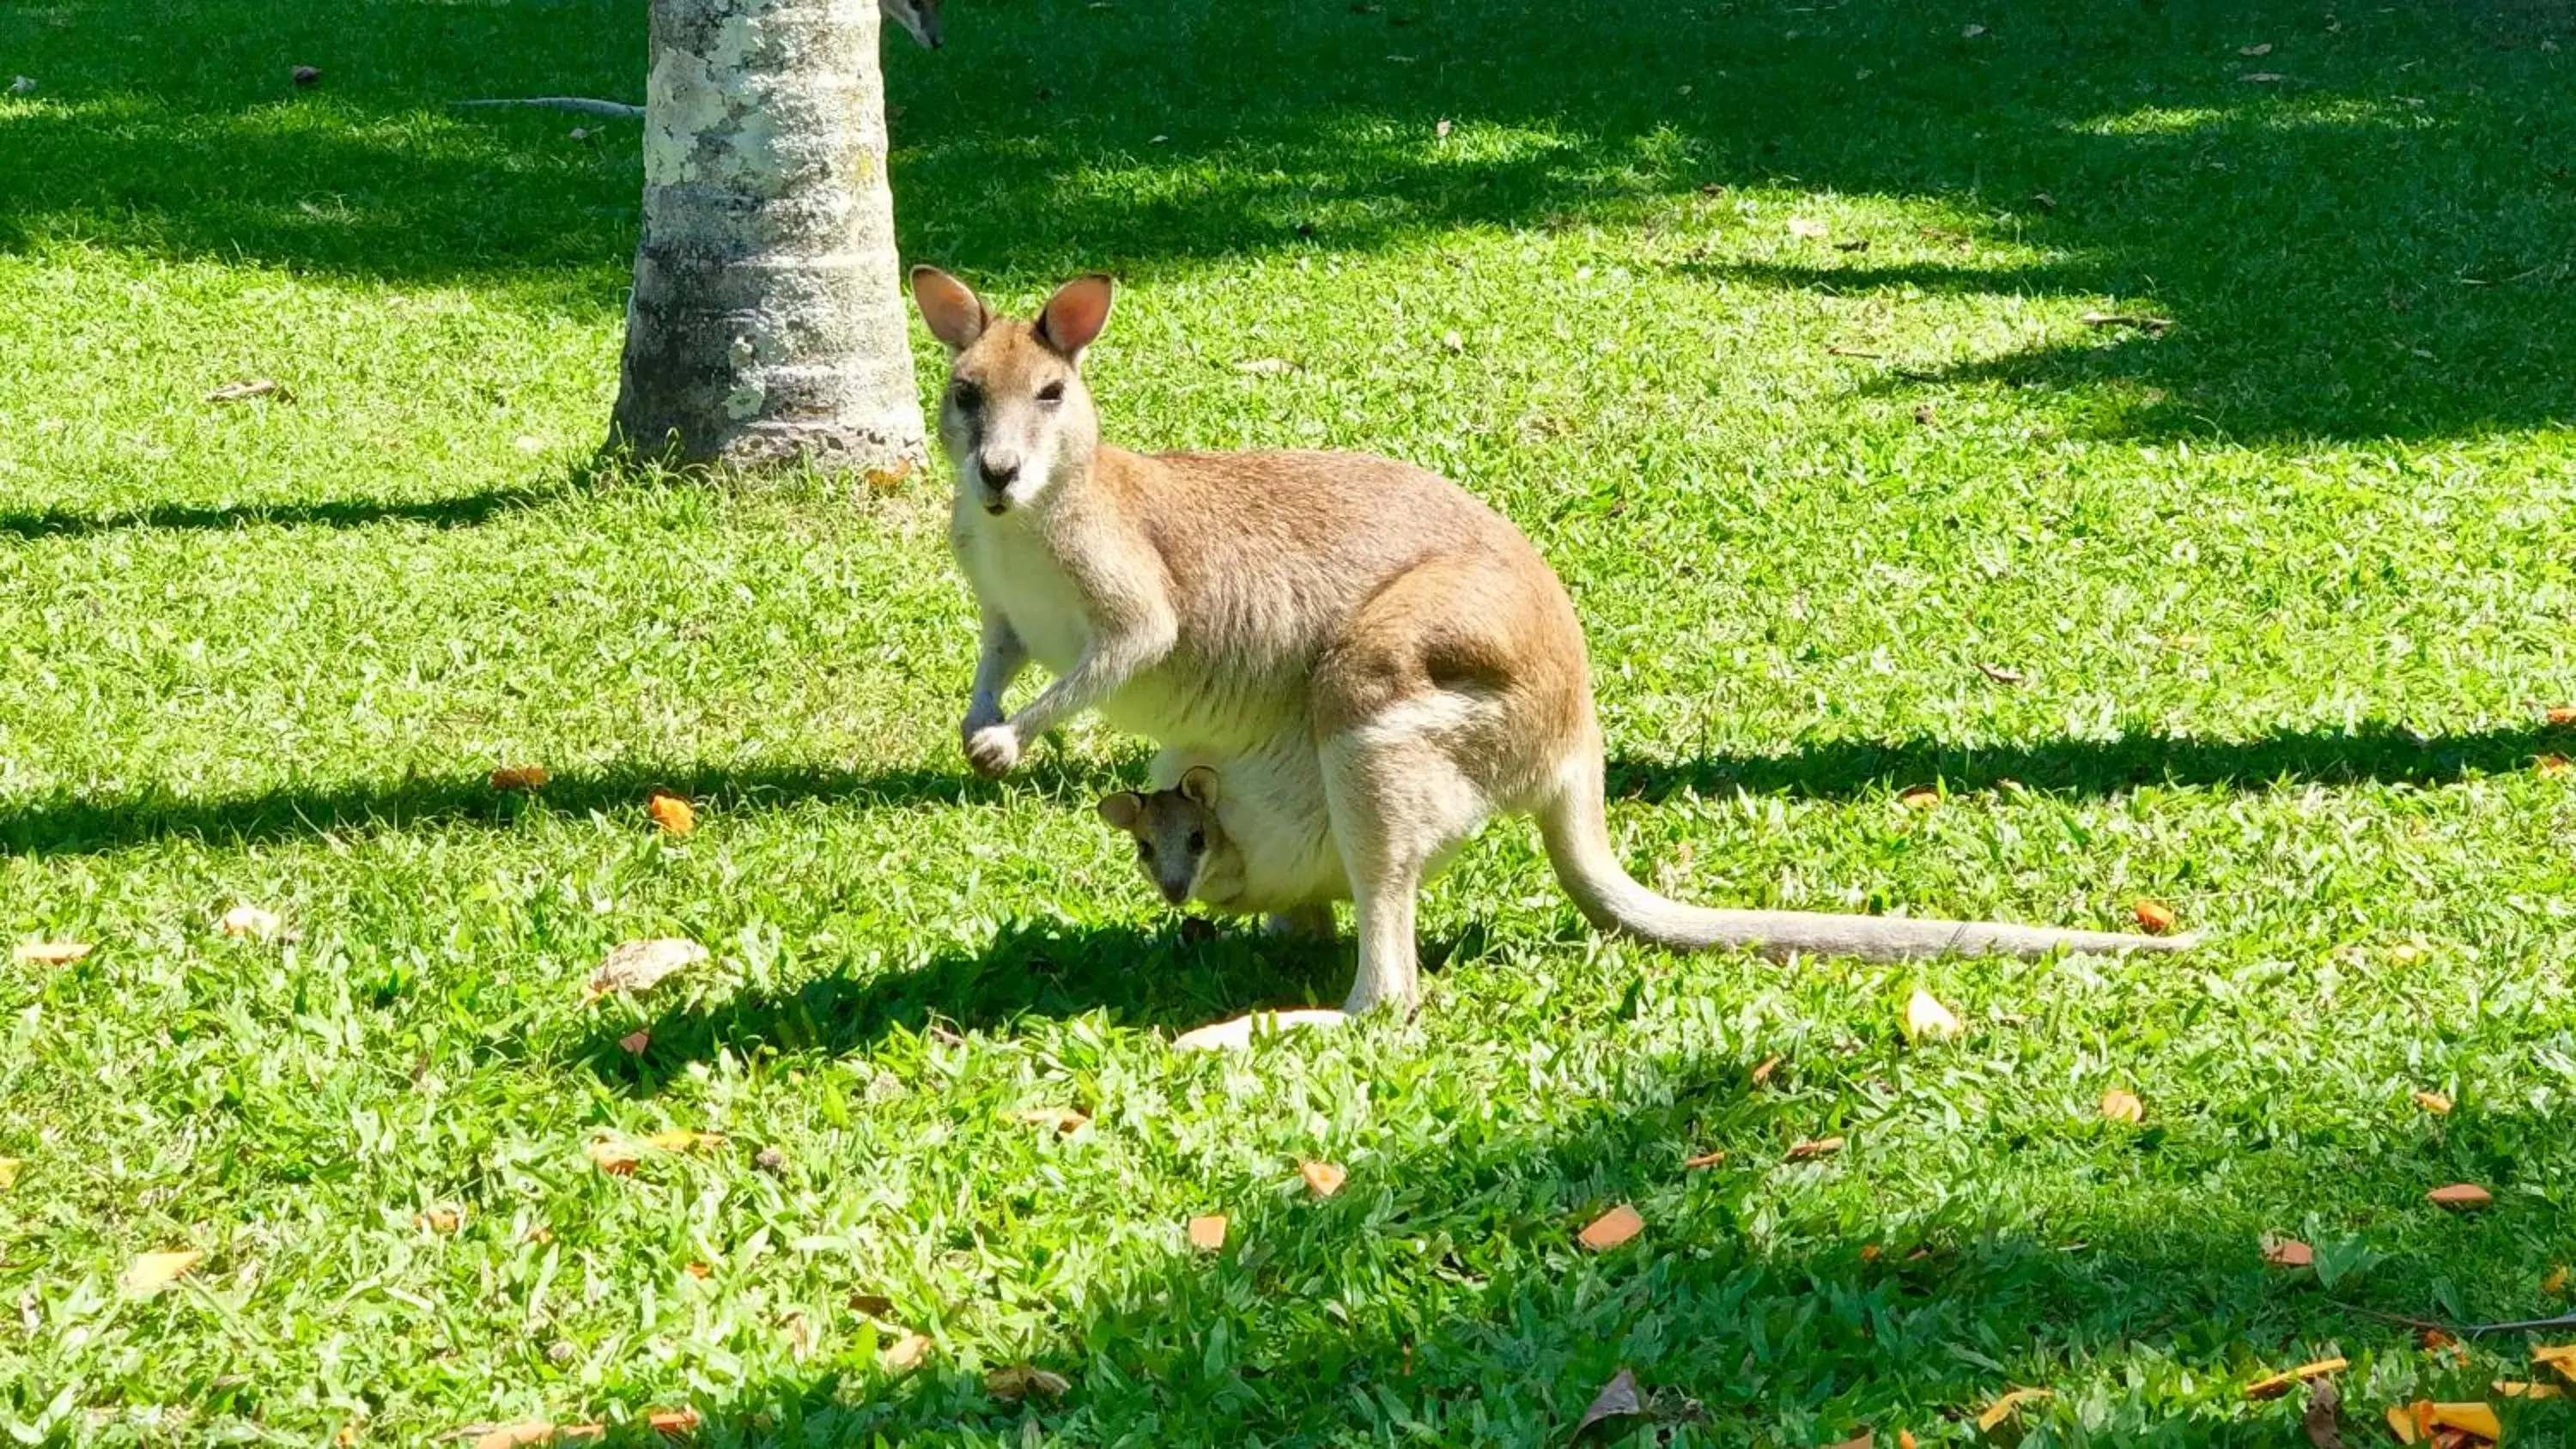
(1238, 1033)
(1311, 921)
(993, 750)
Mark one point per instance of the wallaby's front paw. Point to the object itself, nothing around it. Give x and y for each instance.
(993, 750)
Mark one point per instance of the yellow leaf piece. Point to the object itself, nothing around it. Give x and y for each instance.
(152, 1272)
(51, 953)
(9, 1172)
(2279, 1384)
(1611, 1229)
(1926, 1019)
(2508, 1389)
(2002, 1409)
(1066, 1120)
(904, 1352)
(2119, 1105)
(1207, 1233)
(2555, 1284)
(2434, 1102)
(681, 1139)
(613, 1157)
(2478, 1419)
(2561, 1357)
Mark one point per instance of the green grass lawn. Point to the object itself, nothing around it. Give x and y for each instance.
(2289, 585)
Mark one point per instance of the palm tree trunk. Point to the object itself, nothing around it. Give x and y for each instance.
(767, 322)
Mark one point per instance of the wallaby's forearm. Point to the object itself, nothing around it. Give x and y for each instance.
(998, 662)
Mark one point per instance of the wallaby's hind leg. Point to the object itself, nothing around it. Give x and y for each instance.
(1398, 802)
(1314, 921)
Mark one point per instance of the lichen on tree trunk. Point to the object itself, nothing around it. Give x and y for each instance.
(767, 321)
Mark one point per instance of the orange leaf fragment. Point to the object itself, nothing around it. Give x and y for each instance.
(1323, 1179)
(2288, 1253)
(2155, 916)
(51, 953)
(2281, 1383)
(672, 813)
(2563, 714)
(1763, 1072)
(2509, 1389)
(2433, 1102)
(2478, 1419)
(904, 1352)
(519, 777)
(1904, 1439)
(673, 1421)
(1919, 797)
(1862, 1440)
(634, 1042)
(2555, 1285)
(1705, 1159)
(2002, 1409)
(2122, 1105)
(1611, 1229)
(1815, 1147)
(527, 1431)
(152, 1272)
(613, 1157)
(1065, 1120)
(1207, 1233)
(2550, 765)
(697, 1270)
(438, 1220)
(2461, 1195)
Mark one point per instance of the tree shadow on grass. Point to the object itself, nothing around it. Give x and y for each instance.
(463, 510)
(1440, 1297)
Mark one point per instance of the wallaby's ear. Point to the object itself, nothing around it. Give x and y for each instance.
(1123, 809)
(1075, 314)
(1199, 783)
(956, 316)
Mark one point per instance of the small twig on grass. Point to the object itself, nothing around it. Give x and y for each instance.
(583, 104)
(2432, 1323)
(2461, 1330)
(2522, 1325)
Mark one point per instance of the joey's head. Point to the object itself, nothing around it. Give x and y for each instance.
(1177, 836)
(1015, 419)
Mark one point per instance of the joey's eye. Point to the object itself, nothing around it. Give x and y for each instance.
(967, 396)
(1198, 840)
(1145, 850)
(1051, 394)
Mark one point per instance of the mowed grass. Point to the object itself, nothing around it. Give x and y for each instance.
(2288, 584)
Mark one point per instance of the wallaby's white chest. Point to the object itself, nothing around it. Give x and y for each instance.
(1014, 573)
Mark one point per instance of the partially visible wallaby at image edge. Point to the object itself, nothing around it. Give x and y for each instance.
(1272, 603)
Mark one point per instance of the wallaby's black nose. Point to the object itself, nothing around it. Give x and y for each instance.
(999, 473)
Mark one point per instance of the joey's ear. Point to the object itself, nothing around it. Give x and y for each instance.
(956, 316)
(1075, 314)
(1123, 809)
(1199, 783)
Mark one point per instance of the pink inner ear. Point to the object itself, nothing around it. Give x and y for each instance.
(953, 313)
(1075, 314)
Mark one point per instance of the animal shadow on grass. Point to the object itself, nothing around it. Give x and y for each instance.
(1185, 973)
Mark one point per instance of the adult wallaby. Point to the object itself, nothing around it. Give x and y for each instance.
(1231, 604)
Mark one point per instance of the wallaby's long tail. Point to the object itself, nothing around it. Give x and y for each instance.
(1578, 845)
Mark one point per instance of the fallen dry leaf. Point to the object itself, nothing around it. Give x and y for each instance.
(2561, 1357)
(1207, 1232)
(613, 1157)
(2433, 1102)
(1441, 129)
(1815, 1147)
(2139, 320)
(874, 1305)
(2509, 1389)
(1971, 32)
(904, 1352)
(1323, 1179)
(1238, 1033)
(681, 1139)
(2250, 51)
(1611, 1229)
(2402, 1423)
(2323, 1417)
(1452, 342)
(2278, 1384)
(349, 1435)
(527, 1431)
(2551, 766)
(2461, 1195)
(673, 814)
(1705, 1159)
(2478, 1419)
(1066, 1120)
(152, 1272)
(673, 1421)
(51, 953)
(1807, 230)
(1617, 1400)
(2555, 1285)
(519, 777)
(2407, 953)
(1862, 1440)
(1926, 1019)
(2288, 1253)
(638, 965)
(1019, 1381)
(1904, 1439)
(9, 1172)
(1266, 366)
(697, 1270)
(1763, 1072)
(1918, 797)
(2560, 714)
(2002, 1409)
(2154, 916)
(251, 921)
(438, 1219)
(244, 391)
(2123, 1106)
(2001, 675)
(2262, 77)
(634, 1042)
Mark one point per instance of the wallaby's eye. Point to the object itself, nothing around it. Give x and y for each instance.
(1198, 841)
(967, 396)
(1145, 851)
(1051, 394)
